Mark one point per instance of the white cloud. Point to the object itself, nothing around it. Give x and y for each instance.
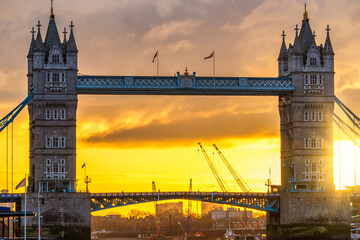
(173, 28)
(180, 45)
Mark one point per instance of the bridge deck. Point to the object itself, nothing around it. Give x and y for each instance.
(183, 85)
(259, 201)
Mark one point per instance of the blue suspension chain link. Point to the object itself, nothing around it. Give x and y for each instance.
(4, 122)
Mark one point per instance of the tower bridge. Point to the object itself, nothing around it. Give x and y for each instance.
(305, 87)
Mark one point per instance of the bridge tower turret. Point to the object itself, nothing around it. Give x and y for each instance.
(52, 77)
(283, 57)
(306, 114)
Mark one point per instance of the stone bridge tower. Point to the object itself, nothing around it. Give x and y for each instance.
(52, 77)
(309, 206)
(306, 114)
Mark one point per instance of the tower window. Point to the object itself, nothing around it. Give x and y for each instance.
(55, 58)
(320, 116)
(55, 167)
(62, 141)
(55, 114)
(55, 77)
(63, 114)
(48, 162)
(307, 163)
(306, 80)
(48, 114)
(49, 142)
(306, 116)
(48, 77)
(55, 143)
(313, 79)
(62, 162)
(312, 61)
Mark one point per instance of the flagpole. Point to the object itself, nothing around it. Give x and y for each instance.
(157, 63)
(39, 230)
(25, 210)
(214, 65)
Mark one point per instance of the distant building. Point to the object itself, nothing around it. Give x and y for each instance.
(236, 218)
(208, 207)
(230, 213)
(169, 208)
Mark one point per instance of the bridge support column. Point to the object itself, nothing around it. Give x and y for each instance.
(63, 215)
(311, 215)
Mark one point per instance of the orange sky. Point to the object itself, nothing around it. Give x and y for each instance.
(129, 141)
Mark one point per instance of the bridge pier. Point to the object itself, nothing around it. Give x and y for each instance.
(309, 215)
(63, 215)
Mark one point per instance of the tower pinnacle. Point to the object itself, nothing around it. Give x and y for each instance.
(305, 13)
(52, 8)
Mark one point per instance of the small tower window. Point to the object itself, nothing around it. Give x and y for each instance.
(55, 143)
(48, 77)
(313, 79)
(63, 114)
(55, 166)
(306, 80)
(48, 114)
(55, 77)
(306, 116)
(313, 61)
(320, 116)
(55, 114)
(62, 141)
(55, 58)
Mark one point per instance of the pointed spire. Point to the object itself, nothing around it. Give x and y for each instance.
(297, 47)
(306, 17)
(31, 49)
(64, 32)
(39, 45)
(52, 9)
(328, 50)
(71, 44)
(283, 55)
(52, 35)
(306, 35)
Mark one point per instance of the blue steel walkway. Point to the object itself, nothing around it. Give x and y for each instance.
(183, 85)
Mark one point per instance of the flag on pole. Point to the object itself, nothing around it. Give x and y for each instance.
(83, 165)
(21, 184)
(155, 56)
(210, 56)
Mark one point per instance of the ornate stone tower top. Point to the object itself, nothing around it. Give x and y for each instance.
(52, 77)
(306, 114)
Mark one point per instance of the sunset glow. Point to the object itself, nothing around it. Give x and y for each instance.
(129, 141)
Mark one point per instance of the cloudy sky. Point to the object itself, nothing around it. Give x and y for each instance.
(128, 141)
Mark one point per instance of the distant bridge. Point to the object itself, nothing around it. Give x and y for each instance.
(269, 202)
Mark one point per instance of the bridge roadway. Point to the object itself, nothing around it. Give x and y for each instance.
(269, 202)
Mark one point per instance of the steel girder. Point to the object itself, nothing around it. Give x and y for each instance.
(183, 85)
(10, 197)
(259, 201)
(12, 115)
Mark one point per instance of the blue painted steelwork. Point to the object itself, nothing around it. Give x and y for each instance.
(10, 197)
(353, 118)
(12, 115)
(347, 129)
(269, 202)
(183, 85)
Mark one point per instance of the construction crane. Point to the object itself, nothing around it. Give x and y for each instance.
(218, 177)
(157, 219)
(189, 209)
(233, 172)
